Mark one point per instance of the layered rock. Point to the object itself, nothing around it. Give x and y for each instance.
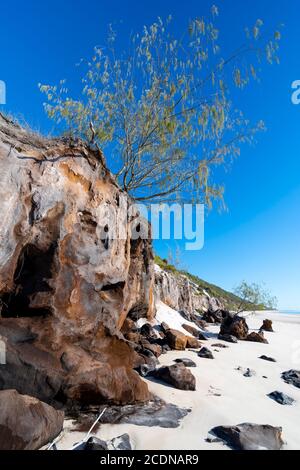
(72, 269)
(180, 293)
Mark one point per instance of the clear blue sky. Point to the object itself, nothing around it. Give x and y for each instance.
(258, 238)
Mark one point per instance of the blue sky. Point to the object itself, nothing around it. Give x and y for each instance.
(258, 238)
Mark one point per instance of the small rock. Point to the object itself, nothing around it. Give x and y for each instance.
(281, 398)
(186, 362)
(249, 373)
(219, 345)
(266, 358)
(257, 337)
(205, 353)
(228, 338)
(249, 436)
(267, 326)
(117, 443)
(177, 375)
(292, 377)
(190, 329)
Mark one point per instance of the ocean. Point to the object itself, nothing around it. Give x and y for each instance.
(290, 312)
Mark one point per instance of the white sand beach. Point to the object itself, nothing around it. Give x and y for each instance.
(223, 395)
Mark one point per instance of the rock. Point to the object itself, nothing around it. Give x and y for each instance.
(205, 353)
(186, 362)
(228, 338)
(178, 376)
(267, 326)
(192, 343)
(219, 345)
(266, 358)
(248, 436)
(176, 340)
(70, 273)
(214, 316)
(27, 423)
(292, 377)
(165, 327)
(117, 443)
(154, 413)
(201, 337)
(257, 337)
(234, 325)
(249, 373)
(190, 329)
(281, 398)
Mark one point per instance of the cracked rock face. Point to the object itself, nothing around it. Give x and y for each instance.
(72, 269)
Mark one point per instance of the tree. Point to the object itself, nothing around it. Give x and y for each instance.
(164, 108)
(253, 297)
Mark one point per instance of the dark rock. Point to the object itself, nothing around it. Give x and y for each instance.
(234, 325)
(292, 377)
(154, 413)
(191, 329)
(27, 423)
(266, 358)
(249, 373)
(177, 375)
(205, 353)
(219, 345)
(176, 340)
(250, 436)
(165, 327)
(267, 326)
(186, 362)
(281, 398)
(257, 337)
(228, 338)
(117, 443)
(202, 337)
(214, 316)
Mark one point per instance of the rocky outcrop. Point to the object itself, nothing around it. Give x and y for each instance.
(249, 436)
(267, 326)
(177, 375)
(180, 293)
(72, 269)
(27, 423)
(257, 337)
(235, 326)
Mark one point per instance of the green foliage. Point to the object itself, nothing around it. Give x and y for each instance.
(254, 294)
(164, 107)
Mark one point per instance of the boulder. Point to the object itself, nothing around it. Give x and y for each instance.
(281, 398)
(192, 342)
(191, 329)
(267, 326)
(257, 337)
(176, 340)
(205, 353)
(249, 436)
(234, 325)
(228, 338)
(214, 316)
(292, 377)
(27, 423)
(266, 358)
(178, 376)
(186, 362)
(74, 277)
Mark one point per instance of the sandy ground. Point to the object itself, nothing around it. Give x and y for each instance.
(241, 399)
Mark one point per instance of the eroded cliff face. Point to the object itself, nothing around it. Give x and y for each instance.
(68, 277)
(182, 294)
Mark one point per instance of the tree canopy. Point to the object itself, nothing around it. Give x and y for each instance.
(163, 109)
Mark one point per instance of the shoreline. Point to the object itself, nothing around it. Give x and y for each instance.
(223, 395)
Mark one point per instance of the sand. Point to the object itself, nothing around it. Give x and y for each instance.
(223, 396)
